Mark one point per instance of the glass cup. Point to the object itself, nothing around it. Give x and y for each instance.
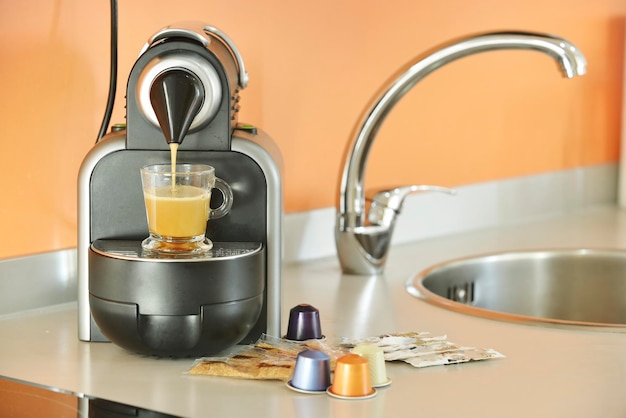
(177, 206)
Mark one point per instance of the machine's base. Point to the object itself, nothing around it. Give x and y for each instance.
(175, 306)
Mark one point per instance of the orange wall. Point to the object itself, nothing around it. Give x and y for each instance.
(313, 66)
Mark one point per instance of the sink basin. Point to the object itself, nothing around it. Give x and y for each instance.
(582, 289)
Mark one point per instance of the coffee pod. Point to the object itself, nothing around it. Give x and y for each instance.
(311, 374)
(304, 323)
(352, 378)
(376, 361)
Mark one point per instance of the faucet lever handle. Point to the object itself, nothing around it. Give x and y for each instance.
(387, 203)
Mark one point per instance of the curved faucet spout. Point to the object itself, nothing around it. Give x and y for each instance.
(351, 229)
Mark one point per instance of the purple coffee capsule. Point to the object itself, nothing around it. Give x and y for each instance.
(304, 323)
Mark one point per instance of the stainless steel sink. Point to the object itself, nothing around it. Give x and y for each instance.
(583, 289)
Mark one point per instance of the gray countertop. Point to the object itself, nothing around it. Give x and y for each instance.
(547, 372)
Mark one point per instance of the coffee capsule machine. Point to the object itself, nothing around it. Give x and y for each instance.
(184, 87)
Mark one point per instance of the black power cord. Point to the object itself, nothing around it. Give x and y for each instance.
(112, 74)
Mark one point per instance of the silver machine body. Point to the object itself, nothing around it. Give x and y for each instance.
(177, 306)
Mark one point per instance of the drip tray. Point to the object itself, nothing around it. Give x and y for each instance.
(132, 250)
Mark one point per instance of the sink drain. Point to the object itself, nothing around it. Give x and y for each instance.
(463, 293)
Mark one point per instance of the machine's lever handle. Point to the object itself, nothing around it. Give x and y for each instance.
(387, 203)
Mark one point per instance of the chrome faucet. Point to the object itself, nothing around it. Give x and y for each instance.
(362, 245)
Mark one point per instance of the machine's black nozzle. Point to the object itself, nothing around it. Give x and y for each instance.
(176, 97)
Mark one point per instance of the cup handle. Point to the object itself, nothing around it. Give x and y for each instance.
(227, 201)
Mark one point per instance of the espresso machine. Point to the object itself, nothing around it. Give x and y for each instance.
(184, 88)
